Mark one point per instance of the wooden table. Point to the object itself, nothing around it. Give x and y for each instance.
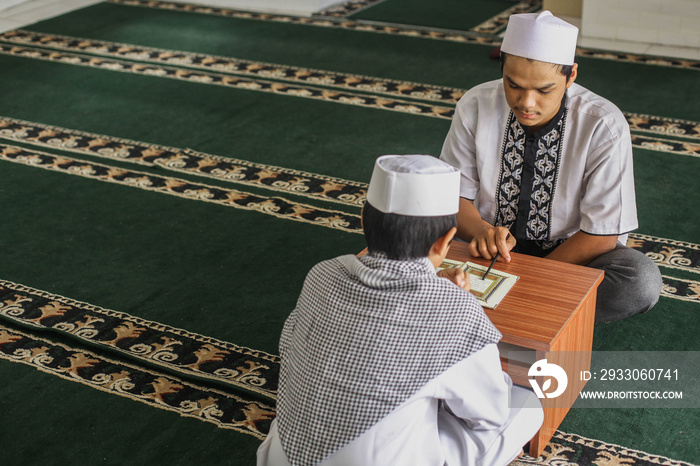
(549, 310)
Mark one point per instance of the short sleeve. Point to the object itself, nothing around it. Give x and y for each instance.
(459, 150)
(608, 205)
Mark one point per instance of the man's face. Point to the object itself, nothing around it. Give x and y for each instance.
(534, 89)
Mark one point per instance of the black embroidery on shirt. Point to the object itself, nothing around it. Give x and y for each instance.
(546, 173)
(509, 179)
(547, 246)
(547, 158)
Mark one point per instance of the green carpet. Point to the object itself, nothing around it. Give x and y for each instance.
(170, 174)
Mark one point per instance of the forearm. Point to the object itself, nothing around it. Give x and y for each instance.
(582, 248)
(469, 221)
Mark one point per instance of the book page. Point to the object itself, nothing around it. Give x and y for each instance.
(479, 284)
(490, 290)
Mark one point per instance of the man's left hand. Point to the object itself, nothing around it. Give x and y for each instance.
(456, 276)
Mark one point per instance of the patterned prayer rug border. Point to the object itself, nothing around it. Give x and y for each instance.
(343, 10)
(665, 252)
(493, 25)
(444, 94)
(327, 22)
(278, 207)
(679, 288)
(666, 145)
(234, 66)
(663, 126)
(229, 411)
(275, 206)
(651, 60)
(362, 100)
(668, 253)
(187, 161)
(346, 192)
(497, 24)
(400, 30)
(230, 81)
(671, 128)
(566, 449)
(152, 342)
(225, 410)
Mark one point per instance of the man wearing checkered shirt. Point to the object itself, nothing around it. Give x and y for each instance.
(385, 362)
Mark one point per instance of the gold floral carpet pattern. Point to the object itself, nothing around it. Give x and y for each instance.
(223, 384)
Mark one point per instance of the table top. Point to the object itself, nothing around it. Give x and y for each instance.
(541, 302)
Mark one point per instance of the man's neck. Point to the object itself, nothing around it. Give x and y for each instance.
(534, 130)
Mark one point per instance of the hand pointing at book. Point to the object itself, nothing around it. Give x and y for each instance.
(491, 241)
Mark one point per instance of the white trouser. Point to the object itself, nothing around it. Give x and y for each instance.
(463, 445)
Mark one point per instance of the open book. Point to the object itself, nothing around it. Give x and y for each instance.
(489, 291)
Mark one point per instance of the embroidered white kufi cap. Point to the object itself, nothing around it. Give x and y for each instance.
(414, 185)
(541, 36)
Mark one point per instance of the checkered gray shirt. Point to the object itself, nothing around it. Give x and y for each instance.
(367, 334)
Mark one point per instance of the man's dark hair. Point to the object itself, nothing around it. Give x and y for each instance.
(566, 70)
(403, 237)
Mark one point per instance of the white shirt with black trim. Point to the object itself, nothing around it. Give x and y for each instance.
(588, 181)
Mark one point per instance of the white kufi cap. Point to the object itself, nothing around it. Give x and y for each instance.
(541, 36)
(414, 185)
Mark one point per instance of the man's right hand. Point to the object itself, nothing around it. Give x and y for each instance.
(485, 239)
(492, 240)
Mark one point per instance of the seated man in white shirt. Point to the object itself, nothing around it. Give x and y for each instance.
(384, 361)
(547, 167)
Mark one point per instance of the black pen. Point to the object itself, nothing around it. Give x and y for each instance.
(490, 266)
(493, 261)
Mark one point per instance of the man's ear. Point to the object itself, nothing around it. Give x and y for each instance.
(439, 249)
(574, 74)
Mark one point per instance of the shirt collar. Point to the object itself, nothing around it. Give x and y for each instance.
(403, 266)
